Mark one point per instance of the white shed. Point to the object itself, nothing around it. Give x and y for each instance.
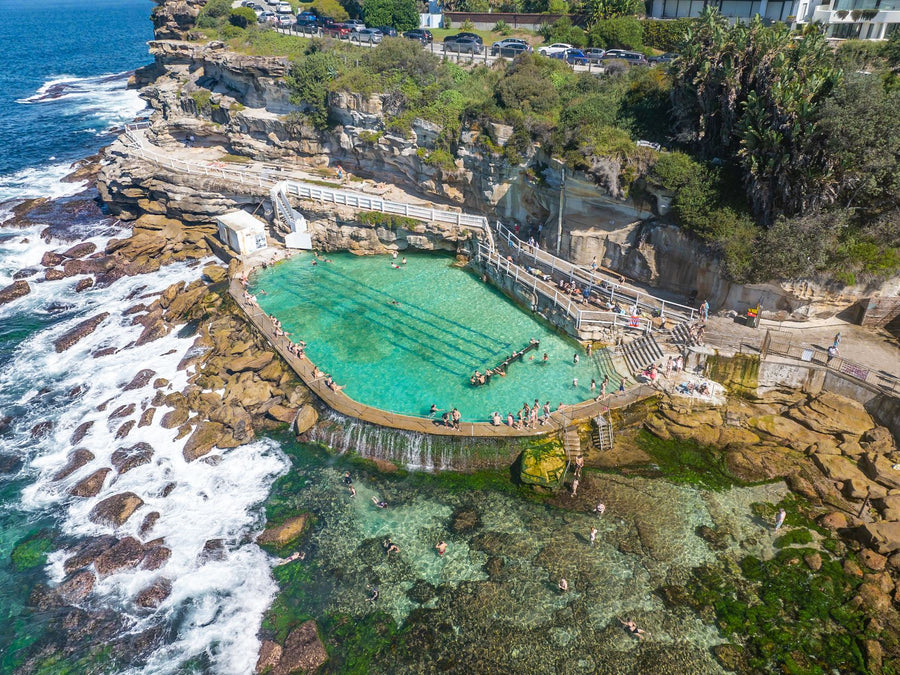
(242, 232)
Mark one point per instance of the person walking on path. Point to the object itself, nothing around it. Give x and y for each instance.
(837, 340)
(779, 519)
(575, 488)
(593, 535)
(668, 367)
(704, 310)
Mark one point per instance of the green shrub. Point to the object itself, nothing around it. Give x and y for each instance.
(213, 13)
(390, 221)
(242, 17)
(798, 536)
(664, 34)
(330, 8)
(201, 98)
(562, 30)
(673, 170)
(401, 14)
(441, 159)
(502, 27)
(620, 33)
(371, 137)
(308, 80)
(467, 25)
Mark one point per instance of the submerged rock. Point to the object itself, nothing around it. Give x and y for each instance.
(303, 651)
(81, 431)
(77, 586)
(87, 551)
(9, 464)
(284, 534)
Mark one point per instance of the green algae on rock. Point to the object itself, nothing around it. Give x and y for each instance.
(543, 463)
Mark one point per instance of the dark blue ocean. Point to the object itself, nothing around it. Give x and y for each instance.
(63, 66)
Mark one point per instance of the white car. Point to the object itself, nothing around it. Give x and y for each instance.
(555, 48)
(355, 25)
(284, 8)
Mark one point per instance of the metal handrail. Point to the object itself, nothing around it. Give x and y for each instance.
(628, 293)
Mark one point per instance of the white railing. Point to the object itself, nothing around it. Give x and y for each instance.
(264, 178)
(598, 282)
(582, 318)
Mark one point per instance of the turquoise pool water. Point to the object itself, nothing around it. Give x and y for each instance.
(446, 324)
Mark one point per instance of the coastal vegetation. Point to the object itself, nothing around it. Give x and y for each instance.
(787, 147)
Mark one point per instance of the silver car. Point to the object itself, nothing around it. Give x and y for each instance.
(370, 35)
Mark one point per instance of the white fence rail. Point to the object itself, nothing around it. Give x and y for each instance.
(270, 179)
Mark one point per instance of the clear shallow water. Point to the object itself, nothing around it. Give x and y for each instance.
(423, 350)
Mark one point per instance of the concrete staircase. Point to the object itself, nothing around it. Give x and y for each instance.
(641, 353)
(681, 335)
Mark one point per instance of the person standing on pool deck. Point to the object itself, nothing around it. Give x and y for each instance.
(455, 416)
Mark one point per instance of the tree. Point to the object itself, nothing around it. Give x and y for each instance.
(562, 30)
(242, 17)
(329, 8)
(308, 81)
(619, 33)
(400, 14)
(600, 10)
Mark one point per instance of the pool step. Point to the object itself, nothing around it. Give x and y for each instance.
(641, 353)
(605, 362)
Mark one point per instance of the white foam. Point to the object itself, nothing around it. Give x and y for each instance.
(216, 605)
(39, 181)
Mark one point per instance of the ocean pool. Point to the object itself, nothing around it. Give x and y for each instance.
(403, 338)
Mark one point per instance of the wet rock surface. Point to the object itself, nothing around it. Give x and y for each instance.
(80, 331)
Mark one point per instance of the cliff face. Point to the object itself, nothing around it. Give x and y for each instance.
(241, 105)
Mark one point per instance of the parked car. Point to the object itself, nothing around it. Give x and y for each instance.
(371, 35)
(463, 45)
(284, 8)
(306, 16)
(306, 26)
(631, 58)
(574, 57)
(387, 31)
(512, 50)
(267, 17)
(284, 20)
(668, 57)
(355, 24)
(549, 50)
(336, 30)
(325, 20)
(462, 36)
(497, 46)
(420, 34)
(594, 54)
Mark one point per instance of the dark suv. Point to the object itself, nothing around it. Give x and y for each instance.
(420, 34)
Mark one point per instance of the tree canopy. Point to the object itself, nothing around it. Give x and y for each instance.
(400, 14)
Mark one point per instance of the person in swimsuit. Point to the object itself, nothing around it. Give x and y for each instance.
(441, 547)
(374, 596)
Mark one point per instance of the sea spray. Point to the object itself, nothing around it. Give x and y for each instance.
(216, 600)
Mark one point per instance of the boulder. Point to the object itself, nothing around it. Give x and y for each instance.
(14, 291)
(81, 250)
(839, 468)
(688, 418)
(879, 440)
(148, 522)
(90, 486)
(156, 557)
(543, 463)
(76, 587)
(871, 597)
(87, 551)
(54, 274)
(760, 462)
(123, 410)
(77, 459)
(247, 390)
(829, 413)
(126, 554)
(115, 510)
(306, 419)
(9, 464)
(51, 259)
(284, 534)
(215, 273)
(303, 651)
(153, 596)
(889, 506)
(883, 537)
(80, 432)
(736, 436)
(880, 469)
(146, 418)
(858, 489)
(125, 429)
(281, 414)
(142, 378)
(872, 560)
(813, 561)
(269, 656)
(83, 329)
(785, 431)
(126, 459)
(206, 436)
(176, 417)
